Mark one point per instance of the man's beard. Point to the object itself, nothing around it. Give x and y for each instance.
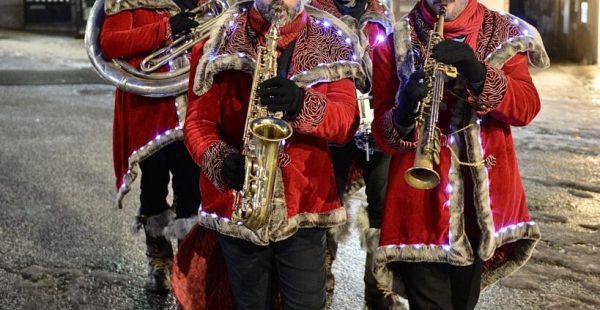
(269, 11)
(459, 7)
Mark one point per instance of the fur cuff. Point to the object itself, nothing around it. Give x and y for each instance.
(153, 225)
(179, 228)
(212, 160)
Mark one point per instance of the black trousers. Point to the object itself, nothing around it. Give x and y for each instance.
(441, 286)
(375, 174)
(295, 267)
(154, 184)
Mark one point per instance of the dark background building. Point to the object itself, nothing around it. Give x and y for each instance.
(53, 16)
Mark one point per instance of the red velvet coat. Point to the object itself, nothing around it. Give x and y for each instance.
(218, 101)
(486, 201)
(141, 124)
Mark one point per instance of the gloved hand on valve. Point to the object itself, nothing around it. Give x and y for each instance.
(414, 90)
(182, 23)
(281, 95)
(461, 56)
(233, 171)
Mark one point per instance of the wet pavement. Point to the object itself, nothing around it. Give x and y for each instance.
(64, 244)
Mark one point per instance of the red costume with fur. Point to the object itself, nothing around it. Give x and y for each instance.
(487, 200)
(305, 194)
(138, 120)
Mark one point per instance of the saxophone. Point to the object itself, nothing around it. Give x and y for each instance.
(422, 175)
(264, 137)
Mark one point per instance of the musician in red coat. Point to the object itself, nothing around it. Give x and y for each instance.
(370, 21)
(317, 63)
(473, 228)
(147, 132)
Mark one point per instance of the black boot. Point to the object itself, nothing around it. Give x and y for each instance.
(160, 260)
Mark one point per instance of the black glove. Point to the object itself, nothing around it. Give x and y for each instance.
(414, 90)
(182, 23)
(279, 94)
(186, 4)
(461, 56)
(233, 171)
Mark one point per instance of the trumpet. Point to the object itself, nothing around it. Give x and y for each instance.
(422, 175)
(206, 15)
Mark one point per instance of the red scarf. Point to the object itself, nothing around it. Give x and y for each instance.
(288, 32)
(467, 24)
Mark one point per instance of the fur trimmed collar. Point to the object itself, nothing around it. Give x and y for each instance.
(112, 7)
(230, 48)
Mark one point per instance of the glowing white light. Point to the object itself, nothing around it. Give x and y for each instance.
(449, 189)
(241, 54)
(339, 32)
(235, 14)
(417, 246)
(354, 57)
(478, 121)
(380, 38)
(213, 215)
(446, 248)
(502, 13)
(326, 24)
(157, 137)
(526, 32)
(515, 21)
(451, 139)
(521, 224)
(531, 223)
(226, 220)
(348, 40)
(203, 213)
(231, 23)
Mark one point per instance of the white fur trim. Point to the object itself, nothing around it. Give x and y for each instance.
(154, 224)
(178, 228)
(142, 153)
(369, 237)
(211, 64)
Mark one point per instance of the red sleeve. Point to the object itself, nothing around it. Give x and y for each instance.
(200, 132)
(120, 39)
(375, 33)
(329, 111)
(509, 94)
(385, 86)
(521, 102)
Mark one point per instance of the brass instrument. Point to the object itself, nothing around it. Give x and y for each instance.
(422, 175)
(206, 15)
(264, 137)
(144, 81)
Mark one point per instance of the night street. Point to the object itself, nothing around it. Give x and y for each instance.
(65, 245)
